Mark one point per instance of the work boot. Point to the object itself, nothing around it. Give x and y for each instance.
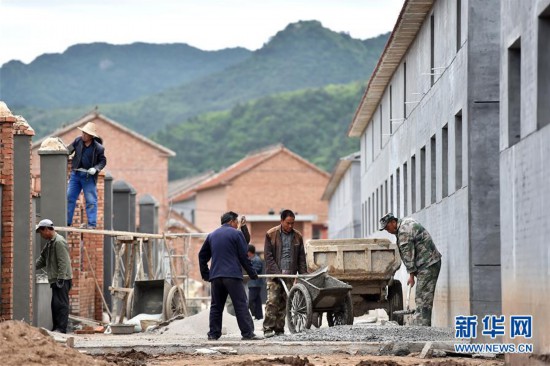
(269, 333)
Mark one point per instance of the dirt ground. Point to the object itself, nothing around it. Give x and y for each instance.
(141, 359)
(21, 344)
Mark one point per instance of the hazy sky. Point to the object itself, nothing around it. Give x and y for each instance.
(30, 28)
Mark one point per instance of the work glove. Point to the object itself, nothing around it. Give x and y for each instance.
(59, 283)
(254, 276)
(92, 171)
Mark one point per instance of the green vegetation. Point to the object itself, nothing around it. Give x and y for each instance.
(312, 123)
(300, 89)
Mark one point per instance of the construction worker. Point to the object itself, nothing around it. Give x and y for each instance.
(55, 257)
(255, 286)
(226, 248)
(284, 254)
(421, 259)
(89, 159)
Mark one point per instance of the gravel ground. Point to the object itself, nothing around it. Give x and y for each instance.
(372, 333)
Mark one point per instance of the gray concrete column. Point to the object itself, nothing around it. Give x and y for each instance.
(53, 181)
(148, 214)
(108, 253)
(133, 209)
(148, 223)
(122, 202)
(53, 205)
(22, 254)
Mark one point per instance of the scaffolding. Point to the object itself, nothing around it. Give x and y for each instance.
(143, 262)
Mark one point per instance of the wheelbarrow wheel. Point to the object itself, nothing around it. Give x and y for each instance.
(129, 304)
(395, 302)
(174, 304)
(299, 313)
(343, 315)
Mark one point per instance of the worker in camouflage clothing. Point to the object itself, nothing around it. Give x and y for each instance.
(421, 259)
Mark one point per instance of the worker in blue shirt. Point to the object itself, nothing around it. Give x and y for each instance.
(226, 249)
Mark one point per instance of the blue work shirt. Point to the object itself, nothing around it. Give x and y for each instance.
(227, 250)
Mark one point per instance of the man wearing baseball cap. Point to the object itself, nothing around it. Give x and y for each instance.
(421, 259)
(89, 159)
(55, 258)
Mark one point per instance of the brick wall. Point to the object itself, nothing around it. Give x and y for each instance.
(9, 127)
(7, 121)
(282, 181)
(84, 298)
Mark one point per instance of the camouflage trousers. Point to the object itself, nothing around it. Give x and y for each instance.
(426, 280)
(275, 306)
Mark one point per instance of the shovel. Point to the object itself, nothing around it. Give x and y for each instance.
(407, 310)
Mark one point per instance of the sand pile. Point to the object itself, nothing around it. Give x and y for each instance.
(197, 325)
(21, 344)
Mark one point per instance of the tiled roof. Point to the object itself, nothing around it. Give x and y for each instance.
(250, 161)
(181, 189)
(175, 220)
(93, 115)
(404, 32)
(339, 171)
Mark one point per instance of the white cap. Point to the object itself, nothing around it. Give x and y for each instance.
(44, 223)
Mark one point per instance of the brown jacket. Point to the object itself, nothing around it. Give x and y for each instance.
(273, 249)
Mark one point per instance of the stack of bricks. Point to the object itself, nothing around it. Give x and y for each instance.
(7, 121)
(85, 299)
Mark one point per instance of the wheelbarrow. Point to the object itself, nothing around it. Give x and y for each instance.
(313, 294)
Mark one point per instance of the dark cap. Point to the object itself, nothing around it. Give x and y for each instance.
(385, 220)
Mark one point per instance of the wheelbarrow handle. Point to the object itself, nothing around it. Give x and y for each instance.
(280, 275)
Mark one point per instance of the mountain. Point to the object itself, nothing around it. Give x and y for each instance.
(303, 55)
(104, 73)
(312, 123)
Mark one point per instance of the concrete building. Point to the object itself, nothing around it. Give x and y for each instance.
(130, 157)
(525, 169)
(343, 193)
(428, 125)
(259, 186)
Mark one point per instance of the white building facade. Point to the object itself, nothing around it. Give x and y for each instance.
(525, 169)
(343, 193)
(428, 125)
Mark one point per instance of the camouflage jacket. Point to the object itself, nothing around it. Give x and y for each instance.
(415, 244)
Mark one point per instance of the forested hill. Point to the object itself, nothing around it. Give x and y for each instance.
(312, 123)
(101, 73)
(303, 55)
(300, 89)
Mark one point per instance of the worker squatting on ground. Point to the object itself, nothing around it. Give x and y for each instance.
(89, 159)
(284, 254)
(226, 248)
(55, 257)
(421, 259)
